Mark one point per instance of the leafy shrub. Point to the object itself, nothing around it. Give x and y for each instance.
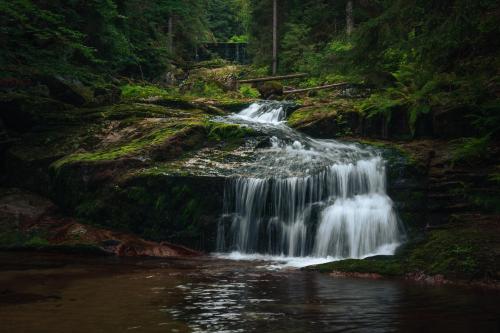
(246, 90)
(472, 149)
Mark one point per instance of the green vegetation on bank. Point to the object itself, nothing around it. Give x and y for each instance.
(423, 58)
(456, 253)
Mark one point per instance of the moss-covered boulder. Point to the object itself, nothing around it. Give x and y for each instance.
(270, 89)
(67, 89)
(153, 169)
(330, 120)
(21, 112)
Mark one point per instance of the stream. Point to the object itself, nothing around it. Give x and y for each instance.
(301, 201)
(63, 293)
(304, 200)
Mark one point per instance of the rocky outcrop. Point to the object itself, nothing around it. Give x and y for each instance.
(342, 116)
(160, 165)
(33, 222)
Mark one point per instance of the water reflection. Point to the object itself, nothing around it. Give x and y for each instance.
(292, 302)
(52, 294)
(296, 301)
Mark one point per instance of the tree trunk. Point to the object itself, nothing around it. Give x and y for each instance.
(349, 17)
(274, 78)
(327, 86)
(275, 36)
(170, 35)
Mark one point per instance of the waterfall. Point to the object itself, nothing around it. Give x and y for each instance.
(318, 198)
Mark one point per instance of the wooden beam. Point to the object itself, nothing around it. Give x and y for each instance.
(334, 85)
(274, 78)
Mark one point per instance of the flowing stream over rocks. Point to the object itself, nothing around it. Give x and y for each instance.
(305, 201)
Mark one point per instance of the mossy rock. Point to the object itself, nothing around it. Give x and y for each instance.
(462, 253)
(179, 209)
(270, 88)
(67, 89)
(21, 112)
(383, 265)
(456, 252)
(228, 132)
(331, 120)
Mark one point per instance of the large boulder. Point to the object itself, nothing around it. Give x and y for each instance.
(68, 90)
(270, 89)
(106, 95)
(20, 112)
(31, 221)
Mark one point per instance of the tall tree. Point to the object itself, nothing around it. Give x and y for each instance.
(275, 36)
(349, 17)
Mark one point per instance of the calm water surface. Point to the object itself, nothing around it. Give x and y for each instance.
(57, 293)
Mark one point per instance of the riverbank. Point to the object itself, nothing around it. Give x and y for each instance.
(147, 161)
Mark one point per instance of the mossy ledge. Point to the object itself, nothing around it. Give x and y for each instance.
(460, 254)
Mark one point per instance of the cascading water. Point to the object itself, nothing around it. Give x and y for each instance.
(307, 197)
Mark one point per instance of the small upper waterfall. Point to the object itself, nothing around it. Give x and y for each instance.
(319, 198)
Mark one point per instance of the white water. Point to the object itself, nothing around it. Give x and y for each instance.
(310, 201)
(261, 113)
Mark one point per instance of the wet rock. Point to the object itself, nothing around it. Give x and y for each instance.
(371, 276)
(270, 88)
(68, 90)
(34, 217)
(106, 95)
(421, 277)
(21, 112)
(327, 120)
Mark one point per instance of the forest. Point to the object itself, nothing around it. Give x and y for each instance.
(280, 147)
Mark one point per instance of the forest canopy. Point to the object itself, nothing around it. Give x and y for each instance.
(418, 55)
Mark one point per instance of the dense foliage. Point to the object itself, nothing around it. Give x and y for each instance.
(228, 20)
(116, 36)
(423, 57)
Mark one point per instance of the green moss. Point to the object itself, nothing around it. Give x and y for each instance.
(463, 253)
(134, 147)
(386, 266)
(311, 114)
(391, 148)
(246, 90)
(223, 131)
(135, 91)
(458, 252)
(36, 241)
(17, 238)
(470, 150)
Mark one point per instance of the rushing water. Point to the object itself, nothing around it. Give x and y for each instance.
(306, 197)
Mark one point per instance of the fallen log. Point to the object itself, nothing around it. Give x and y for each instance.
(274, 78)
(334, 85)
